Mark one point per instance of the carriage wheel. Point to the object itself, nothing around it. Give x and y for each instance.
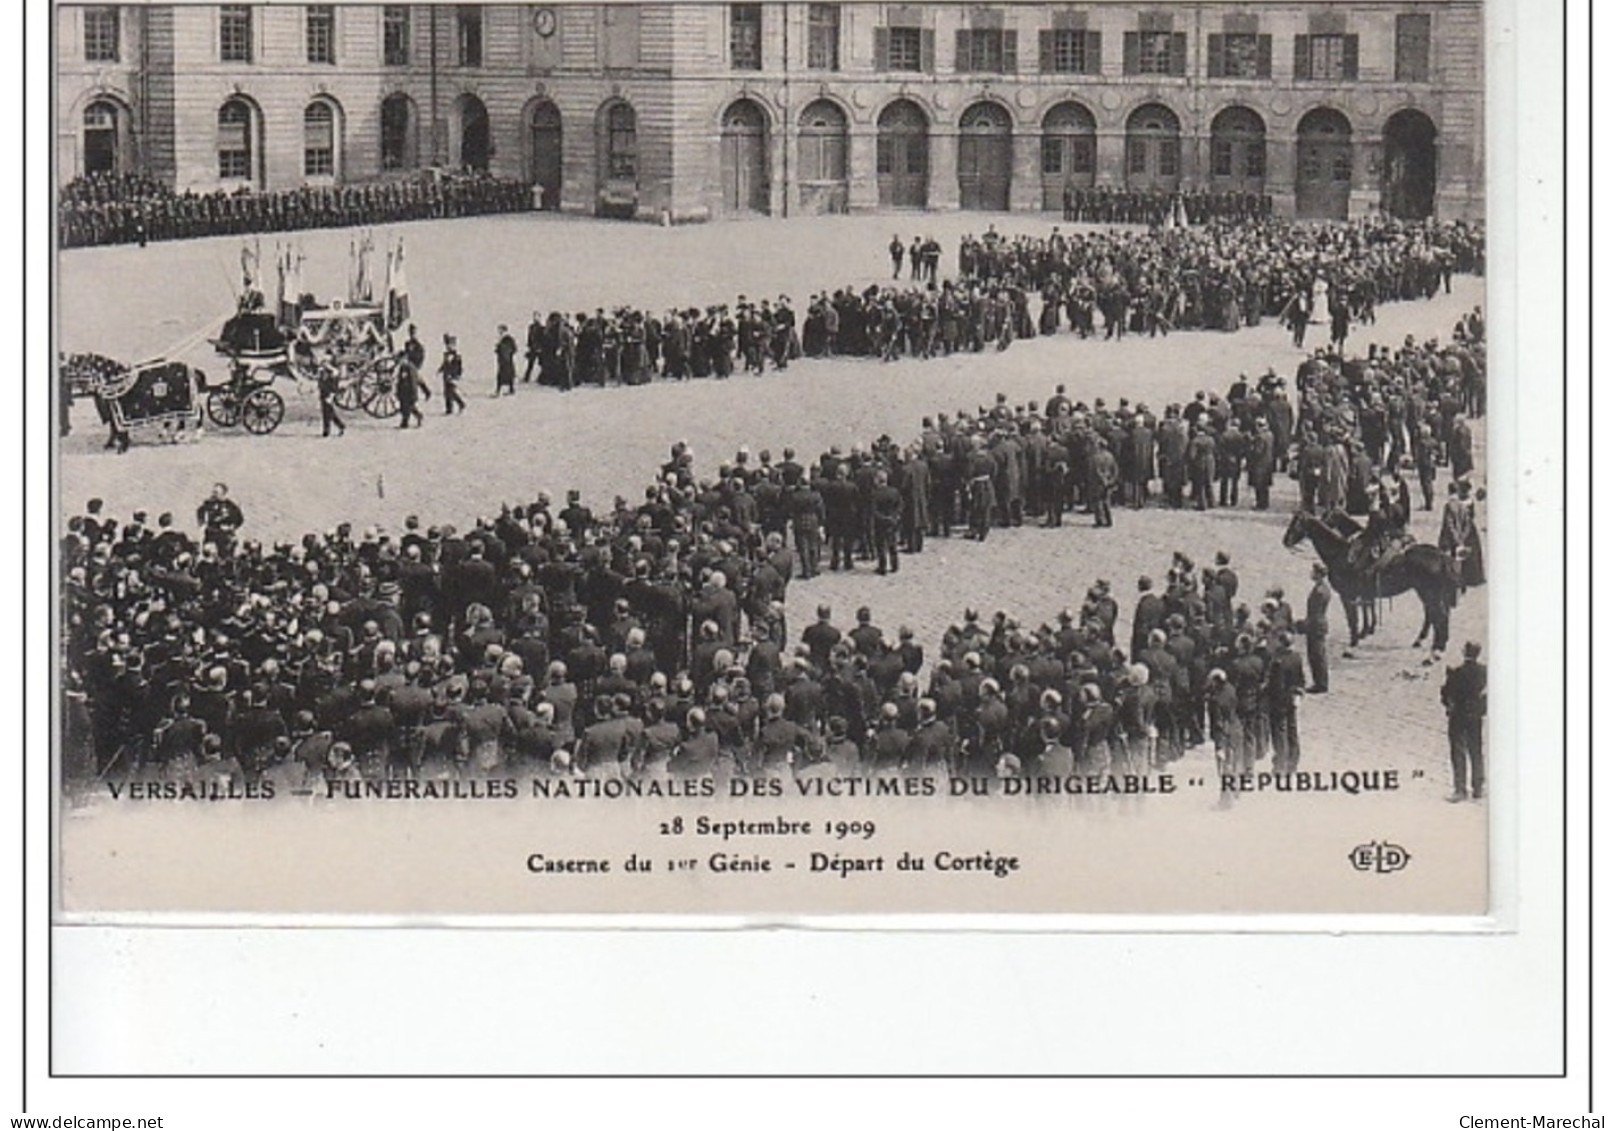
(223, 409)
(262, 410)
(382, 400)
(350, 385)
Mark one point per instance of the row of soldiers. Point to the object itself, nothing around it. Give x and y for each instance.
(135, 211)
(1156, 207)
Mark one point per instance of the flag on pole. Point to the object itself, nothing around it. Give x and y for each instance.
(291, 303)
(249, 268)
(397, 289)
(280, 285)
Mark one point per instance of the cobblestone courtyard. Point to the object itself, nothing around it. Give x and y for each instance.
(468, 276)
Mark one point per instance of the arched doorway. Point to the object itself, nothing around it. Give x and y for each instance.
(744, 157)
(1323, 166)
(986, 163)
(617, 160)
(1408, 187)
(1154, 148)
(1238, 151)
(821, 157)
(1068, 152)
(400, 133)
(903, 156)
(476, 143)
(544, 152)
(105, 130)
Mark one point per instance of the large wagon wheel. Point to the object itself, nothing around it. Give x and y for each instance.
(381, 384)
(223, 408)
(262, 410)
(350, 393)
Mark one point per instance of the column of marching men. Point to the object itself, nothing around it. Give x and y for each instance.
(650, 638)
(130, 208)
(1108, 284)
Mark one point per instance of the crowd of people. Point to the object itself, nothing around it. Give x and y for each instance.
(1226, 274)
(651, 639)
(1011, 290)
(130, 208)
(1157, 207)
(546, 643)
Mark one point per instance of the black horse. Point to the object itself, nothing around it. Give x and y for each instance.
(1420, 567)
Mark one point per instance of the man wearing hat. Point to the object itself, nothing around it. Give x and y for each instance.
(1284, 680)
(1463, 694)
(451, 369)
(1317, 628)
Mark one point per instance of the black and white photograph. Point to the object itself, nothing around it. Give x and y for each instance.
(792, 457)
(802, 538)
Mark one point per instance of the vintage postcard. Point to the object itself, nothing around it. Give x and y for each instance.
(773, 459)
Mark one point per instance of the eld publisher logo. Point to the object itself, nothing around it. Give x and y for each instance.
(1379, 856)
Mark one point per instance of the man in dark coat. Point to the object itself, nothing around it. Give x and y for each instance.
(1463, 693)
(1317, 628)
(1102, 475)
(1259, 461)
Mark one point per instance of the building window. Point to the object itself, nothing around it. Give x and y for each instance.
(1053, 156)
(1081, 151)
(395, 35)
(1160, 53)
(235, 141)
(622, 143)
(1413, 48)
(1068, 51)
(905, 48)
(824, 37)
(1326, 58)
(235, 33)
(822, 143)
(1239, 55)
(397, 132)
(321, 33)
(319, 140)
(984, 51)
(100, 35)
(746, 37)
(468, 24)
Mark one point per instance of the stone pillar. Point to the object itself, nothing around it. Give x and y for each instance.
(1366, 165)
(1026, 184)
(781, 169)
(1110, 158)
(1196, 161)
(863, 192)
(943, 193)
(1282, 155)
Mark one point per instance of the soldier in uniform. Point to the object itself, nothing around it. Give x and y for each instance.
(1102, 475)
(329, 385)
(451, 369)
(1317, 628)
(886, 506)
(409, 386)
(219, 517)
